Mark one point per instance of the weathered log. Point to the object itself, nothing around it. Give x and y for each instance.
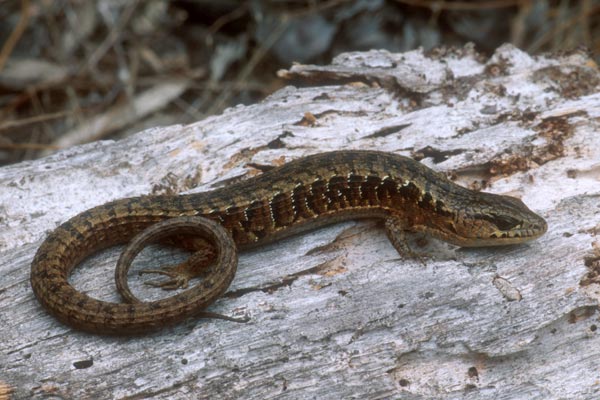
(337, 313)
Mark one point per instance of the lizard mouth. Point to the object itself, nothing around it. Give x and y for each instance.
(514, 229)
(519, 234)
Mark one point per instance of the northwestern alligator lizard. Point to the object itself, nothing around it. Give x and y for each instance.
(304, 194)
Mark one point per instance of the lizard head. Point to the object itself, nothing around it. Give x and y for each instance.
(486, 219)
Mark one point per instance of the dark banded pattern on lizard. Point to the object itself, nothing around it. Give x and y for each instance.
(304, 194)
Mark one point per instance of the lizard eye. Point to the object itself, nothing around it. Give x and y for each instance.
(502, 222)
(505, 223)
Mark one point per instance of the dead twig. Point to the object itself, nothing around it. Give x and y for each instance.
(258, 55)
(33, 120)
(461, 5)
(121, 115)
(16, 34)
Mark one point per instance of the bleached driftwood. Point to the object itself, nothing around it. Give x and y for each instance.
(336, 313)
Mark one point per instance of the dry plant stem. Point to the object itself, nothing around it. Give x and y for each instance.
(258, 55)
(225, 19)
(461, 5)
(120, 115)
(28, 146)
(111, 38)
(33, 120)
(15, 35)
(558, 29)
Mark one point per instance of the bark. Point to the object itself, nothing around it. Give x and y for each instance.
(337, 313)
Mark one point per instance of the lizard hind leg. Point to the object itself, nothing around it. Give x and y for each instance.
(195, 266)
(221, 254)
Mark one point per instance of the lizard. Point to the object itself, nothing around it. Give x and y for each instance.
(301, 195)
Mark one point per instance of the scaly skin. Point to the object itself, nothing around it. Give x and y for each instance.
(304, 194)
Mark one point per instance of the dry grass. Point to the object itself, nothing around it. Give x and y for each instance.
(77, 71)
